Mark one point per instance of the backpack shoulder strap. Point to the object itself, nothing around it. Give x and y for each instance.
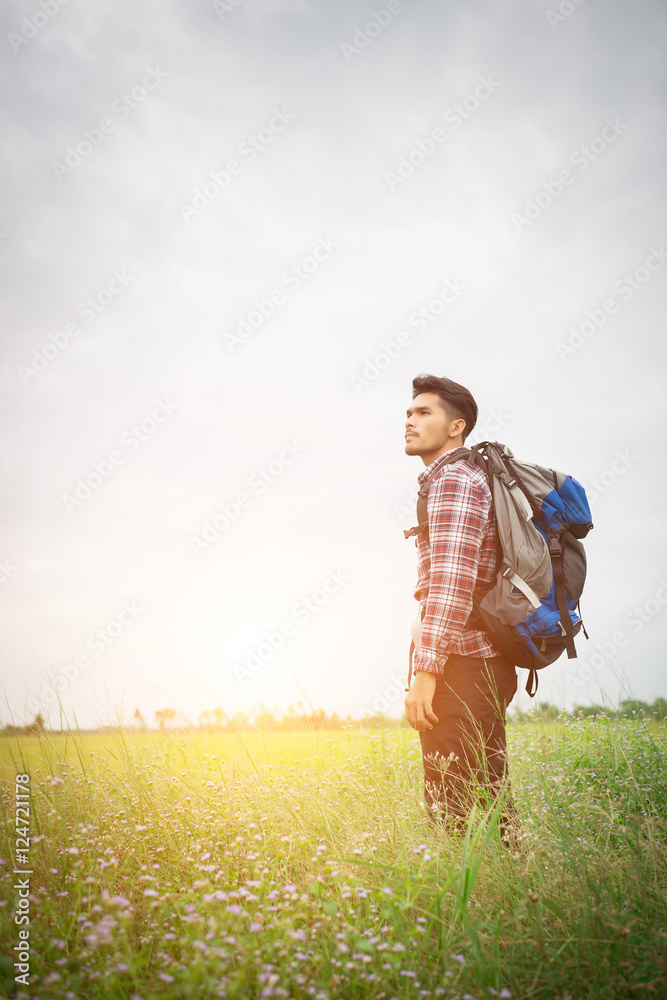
(421, 527)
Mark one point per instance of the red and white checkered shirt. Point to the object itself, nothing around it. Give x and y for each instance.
(462, 556)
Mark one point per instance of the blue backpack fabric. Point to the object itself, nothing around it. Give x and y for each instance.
(530, 610)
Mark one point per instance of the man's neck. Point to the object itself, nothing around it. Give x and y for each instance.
(452, 447)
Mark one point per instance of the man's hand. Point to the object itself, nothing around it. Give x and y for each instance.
(419, 702)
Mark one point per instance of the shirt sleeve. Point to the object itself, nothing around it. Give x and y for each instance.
(458, 512)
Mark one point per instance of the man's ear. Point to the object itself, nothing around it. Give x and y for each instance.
(457, 427)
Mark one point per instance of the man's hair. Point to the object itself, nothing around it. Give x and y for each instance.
(455, 399)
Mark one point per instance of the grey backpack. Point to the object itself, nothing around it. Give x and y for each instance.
(530, 608)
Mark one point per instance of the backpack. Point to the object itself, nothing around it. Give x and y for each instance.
(530, 610)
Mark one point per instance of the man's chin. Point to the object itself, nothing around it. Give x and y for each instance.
(412, 447)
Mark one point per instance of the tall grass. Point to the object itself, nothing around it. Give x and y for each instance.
(300, 865)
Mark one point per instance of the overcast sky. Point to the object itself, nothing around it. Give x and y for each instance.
(233, 233)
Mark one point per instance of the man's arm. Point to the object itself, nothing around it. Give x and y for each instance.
(458, 515)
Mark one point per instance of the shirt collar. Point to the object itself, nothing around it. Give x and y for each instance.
(429, 468)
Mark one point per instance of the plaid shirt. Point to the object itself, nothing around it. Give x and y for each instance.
(462, 529)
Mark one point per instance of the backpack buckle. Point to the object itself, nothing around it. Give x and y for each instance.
(417, 530)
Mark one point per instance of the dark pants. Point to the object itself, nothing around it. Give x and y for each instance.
(465, 754)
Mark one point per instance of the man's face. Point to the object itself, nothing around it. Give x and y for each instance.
(427, 428)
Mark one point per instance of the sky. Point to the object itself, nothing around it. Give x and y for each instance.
(233, 232)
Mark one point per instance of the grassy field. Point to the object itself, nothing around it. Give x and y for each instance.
(300, 865)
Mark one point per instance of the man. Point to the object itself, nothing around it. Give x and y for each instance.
(462, 684)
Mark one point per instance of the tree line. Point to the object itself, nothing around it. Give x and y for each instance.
(299, 717)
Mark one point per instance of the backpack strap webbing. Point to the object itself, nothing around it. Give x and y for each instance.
(411, 654)
(422, 496)
(556, 553)
(422, 614)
